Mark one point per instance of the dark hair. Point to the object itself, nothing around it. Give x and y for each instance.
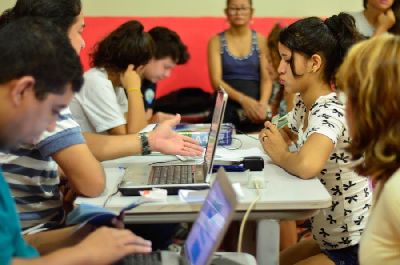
(330, 39)
(168, 44)
(272, 43)
(365, 3)
(250, 2)
(128, 44)
(62, 13)
(35, 47)
(395, 29)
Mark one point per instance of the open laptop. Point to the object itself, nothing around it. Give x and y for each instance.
(181, 175)
(206, 233)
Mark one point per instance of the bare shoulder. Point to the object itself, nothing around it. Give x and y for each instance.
(214, 39)
(214, 42)
(262, 42)
(261, 38)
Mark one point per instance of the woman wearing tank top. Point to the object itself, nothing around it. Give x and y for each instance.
(236, 60)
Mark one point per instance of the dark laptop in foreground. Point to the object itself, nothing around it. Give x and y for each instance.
(182, 175)
(206, 234)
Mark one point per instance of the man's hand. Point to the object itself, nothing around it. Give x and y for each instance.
(163, 139)
(107, 245)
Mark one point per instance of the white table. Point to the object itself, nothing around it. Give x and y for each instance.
(285, 197)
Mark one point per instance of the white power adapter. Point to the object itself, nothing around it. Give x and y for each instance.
(256, 180)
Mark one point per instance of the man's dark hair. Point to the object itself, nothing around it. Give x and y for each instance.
(169, 44)
(35, 47)
(128, 44)
(62, 13)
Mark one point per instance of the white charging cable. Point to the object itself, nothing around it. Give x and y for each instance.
(257, 184)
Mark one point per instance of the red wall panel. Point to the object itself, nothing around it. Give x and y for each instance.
(195, 33)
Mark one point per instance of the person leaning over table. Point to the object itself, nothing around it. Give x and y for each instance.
(32, 93)
(162, 139)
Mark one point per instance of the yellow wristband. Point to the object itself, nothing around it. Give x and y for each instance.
(133, 89)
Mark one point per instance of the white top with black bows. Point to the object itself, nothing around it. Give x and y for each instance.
(342, 224)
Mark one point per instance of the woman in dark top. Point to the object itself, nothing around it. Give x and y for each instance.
(236, 59)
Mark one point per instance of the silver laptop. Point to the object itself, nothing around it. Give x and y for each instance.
(180, 175)
(206, 233)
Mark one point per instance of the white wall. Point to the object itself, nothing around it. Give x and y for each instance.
(193, 8)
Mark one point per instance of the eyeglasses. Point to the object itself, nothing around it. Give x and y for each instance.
(234, 10)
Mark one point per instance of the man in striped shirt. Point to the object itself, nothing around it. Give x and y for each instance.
(32, 170)
(39, 72)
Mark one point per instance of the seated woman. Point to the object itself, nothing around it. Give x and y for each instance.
(111, 100)
(378, 17)
(237, 62)
(311, 50)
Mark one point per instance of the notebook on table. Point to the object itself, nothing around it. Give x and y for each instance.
(181, 175)
(206, 233)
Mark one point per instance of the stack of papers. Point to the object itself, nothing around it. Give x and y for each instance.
(279, 121)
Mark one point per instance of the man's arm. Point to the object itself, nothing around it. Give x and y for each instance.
(163, 139)
(104, 246)
(67, 147)
(84, 172)
(107, 147)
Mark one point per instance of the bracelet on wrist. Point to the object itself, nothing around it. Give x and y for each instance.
(133, 89)
(145, 144)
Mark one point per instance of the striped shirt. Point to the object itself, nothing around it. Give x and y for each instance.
(32, 174)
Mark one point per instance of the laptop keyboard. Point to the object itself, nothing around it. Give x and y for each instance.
(153, 258)
(174, 174)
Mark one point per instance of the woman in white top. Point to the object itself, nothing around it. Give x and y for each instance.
(370, 76)
(110, 100)
(378, 17)
(311, 50)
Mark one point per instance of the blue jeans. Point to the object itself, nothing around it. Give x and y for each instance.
(343, 256)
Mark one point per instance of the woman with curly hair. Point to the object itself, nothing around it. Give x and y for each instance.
(111, 100)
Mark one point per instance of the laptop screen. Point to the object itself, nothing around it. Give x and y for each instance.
(216, 122)
(209, 225)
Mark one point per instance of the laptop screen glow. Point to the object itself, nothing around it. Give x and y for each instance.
(208, 226)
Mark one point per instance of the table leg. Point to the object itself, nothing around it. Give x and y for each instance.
(268, 242)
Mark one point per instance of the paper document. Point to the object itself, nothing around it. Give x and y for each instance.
(200, 195)
(192, 195)
(237, 155)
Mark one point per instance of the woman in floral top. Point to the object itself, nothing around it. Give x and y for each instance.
(311, 50)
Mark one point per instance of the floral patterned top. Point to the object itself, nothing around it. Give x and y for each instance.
(342, 224)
